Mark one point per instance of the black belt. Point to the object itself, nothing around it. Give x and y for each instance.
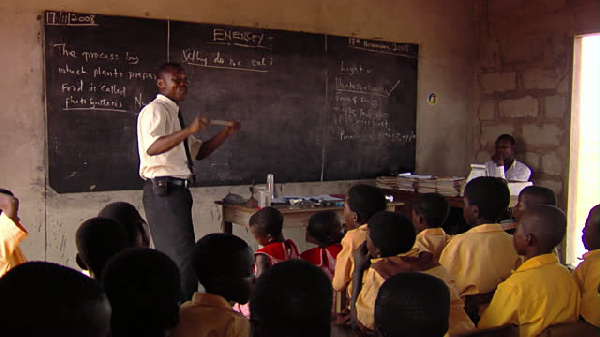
(185, 183)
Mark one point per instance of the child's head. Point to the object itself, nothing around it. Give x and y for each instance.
(591, 231)
(362, 201)
(291, 299)
(99, 239)
(47, 299)
(127, 215)
(534, 195)
(389, 234)
(486, 198)
(539, 230)
(412, 304)
(224, 265)
(143, 288)
(324, 228)
(429, 211)
(266, 225)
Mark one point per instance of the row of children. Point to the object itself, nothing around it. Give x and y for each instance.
(379, 248)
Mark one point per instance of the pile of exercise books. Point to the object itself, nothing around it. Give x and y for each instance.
(448, 186)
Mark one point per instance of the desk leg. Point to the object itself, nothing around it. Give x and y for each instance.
(227, 227)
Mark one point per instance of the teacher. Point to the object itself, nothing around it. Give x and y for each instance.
(166, 148)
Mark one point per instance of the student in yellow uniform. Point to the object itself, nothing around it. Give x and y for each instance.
(362, 201)
(12, 233)
(388, 251)
(484, 256)
(429, 213)
(224, 265)
(587, 273)
(541, 292)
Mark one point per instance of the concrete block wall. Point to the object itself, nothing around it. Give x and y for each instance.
(523, 86)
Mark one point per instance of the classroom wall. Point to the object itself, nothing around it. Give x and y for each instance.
(443, 29)
(524, 75)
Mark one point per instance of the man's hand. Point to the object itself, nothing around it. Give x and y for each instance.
(200, 123)
(497, 157)
(9, 206)
(233, 128)
(362, 260)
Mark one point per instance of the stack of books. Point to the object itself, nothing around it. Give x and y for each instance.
(448, 186)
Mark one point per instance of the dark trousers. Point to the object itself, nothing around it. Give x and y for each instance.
(169, 217)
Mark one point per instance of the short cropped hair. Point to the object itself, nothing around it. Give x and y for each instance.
(506, 137)
(365, 200)
(320, 225)
(412, 304)
(268, 220)
(490, 194)
(291, 299)
(127, 215)
(99, 239)
(143, 287)
(542, 195)
(165, 66)
(47, 299)
(433, 207)
(216, 254)
(391, 233)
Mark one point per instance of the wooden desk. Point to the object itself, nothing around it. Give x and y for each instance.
(293, 216)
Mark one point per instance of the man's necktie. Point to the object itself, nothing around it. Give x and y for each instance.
(190, 163)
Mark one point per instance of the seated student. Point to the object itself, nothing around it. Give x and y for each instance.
(128, 216)
(12, 233)
(388, 251)
(142, 286)
(540, 292)
(587, 273)
(503, 163)
(325, 230)
(98, 240)
(47, 299)
(291, 299)
(484, 256)
(266, 225)
(224, 265)
(530, 195)
(412, 305)
(429, 213)
(362, 201)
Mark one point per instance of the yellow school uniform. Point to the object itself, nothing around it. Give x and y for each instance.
(209, 315)
(375, 276)
(480, 259)
(432, 240)
(587, 276)
(539, 293)
(11, 235)
(345, 259)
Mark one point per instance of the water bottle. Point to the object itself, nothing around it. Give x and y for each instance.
(271, 185)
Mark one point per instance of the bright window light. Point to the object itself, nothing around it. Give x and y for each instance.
(584, 175)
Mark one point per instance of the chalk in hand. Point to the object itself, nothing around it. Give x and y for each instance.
(220, 122)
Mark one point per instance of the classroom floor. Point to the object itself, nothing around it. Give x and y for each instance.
(337, 331)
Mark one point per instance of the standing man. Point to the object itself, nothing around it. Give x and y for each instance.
(166, 149)
(503, 163)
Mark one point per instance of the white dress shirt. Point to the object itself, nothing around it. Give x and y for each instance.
(160, 118)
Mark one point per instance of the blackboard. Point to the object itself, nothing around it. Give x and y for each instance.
(312, 106)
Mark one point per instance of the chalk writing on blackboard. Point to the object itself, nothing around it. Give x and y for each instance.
(70, 19)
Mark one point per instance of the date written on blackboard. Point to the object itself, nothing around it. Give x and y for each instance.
(70, 19)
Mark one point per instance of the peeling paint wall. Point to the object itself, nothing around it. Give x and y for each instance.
(443, 29)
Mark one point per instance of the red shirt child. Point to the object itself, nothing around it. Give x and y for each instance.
(325, 230)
